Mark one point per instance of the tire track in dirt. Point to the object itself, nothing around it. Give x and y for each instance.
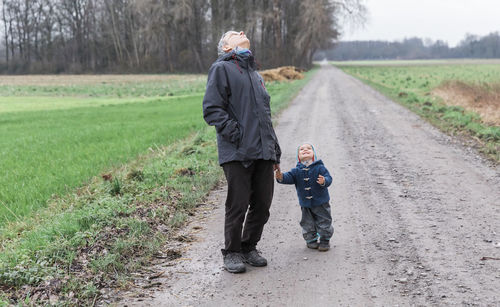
(414, 212)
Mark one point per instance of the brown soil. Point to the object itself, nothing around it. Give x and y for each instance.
(65, 80)
(483, 99)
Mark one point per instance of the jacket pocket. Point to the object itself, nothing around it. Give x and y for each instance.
(230, 132)
(239, 141)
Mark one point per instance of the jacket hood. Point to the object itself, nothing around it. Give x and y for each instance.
(315, 157)
(242, 59)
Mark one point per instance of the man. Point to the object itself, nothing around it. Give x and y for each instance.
(236, 102)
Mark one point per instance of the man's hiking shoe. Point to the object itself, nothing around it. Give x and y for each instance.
(324, 246)
(313, 245)
(233, 263)
(254, 259)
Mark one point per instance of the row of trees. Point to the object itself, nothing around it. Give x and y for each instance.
(472, 46)
(162, 35)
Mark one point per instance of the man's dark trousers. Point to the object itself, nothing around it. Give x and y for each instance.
(248, 188)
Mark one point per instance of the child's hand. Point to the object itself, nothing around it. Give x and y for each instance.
(321, 180)
(278, 174)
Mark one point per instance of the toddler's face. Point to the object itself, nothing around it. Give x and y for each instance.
(306, 152)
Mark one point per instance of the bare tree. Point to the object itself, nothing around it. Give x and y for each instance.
(6, 32)
(318, 30)
(163, 35)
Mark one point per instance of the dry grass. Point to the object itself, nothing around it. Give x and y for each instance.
(282, 73)
(65, 80)
(483, 99)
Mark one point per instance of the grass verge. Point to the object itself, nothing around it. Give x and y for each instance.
(95, 236)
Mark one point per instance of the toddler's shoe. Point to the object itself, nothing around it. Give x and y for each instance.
(324, 246)
(313, 244)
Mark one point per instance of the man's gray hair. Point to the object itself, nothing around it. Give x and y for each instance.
(223, 42)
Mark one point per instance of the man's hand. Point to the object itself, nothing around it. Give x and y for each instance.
(278, 174)
(276, 167)
(321, 180)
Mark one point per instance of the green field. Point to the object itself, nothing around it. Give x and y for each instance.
(50, 145)
(415, 84)
(58, 132)
(417, 62)
(101, 85)
(422, 76)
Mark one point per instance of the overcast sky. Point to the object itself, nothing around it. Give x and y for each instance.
(448, 20)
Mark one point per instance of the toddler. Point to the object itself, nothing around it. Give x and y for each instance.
(311, 179)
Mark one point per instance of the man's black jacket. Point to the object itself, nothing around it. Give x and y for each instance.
(236, 102)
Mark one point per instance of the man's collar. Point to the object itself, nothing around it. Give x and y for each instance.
(239, 50)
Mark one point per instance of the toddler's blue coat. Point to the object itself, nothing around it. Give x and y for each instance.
(310, 192)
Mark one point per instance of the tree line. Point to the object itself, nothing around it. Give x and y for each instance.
(472, 46)
(54, 36)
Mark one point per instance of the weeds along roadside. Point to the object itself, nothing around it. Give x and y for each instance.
(96, 236)
(455, 120)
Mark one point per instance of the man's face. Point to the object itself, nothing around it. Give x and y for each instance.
(306, 152)
(234, 39)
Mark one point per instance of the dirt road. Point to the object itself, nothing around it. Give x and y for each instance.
(414, 213)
